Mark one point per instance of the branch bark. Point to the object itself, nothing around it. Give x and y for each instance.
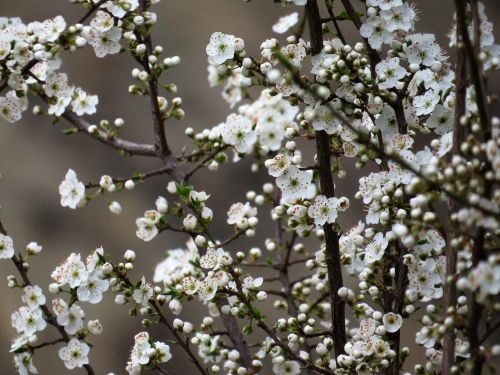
(327, 187)
(459, 135)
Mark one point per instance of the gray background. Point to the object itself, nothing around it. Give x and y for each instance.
(34, 157)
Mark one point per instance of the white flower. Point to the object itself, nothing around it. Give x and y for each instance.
(144, 293)
(367, 328)
(162, 352)
(6, 247)
(324, 210)
(58, 108)
(48, 30)
(384, 4)
(239, 212)
(486, 278)
(287, 368)
(140, 353)
(422, 50)
(24, 363)
(221, 48)
(10, 109)
(296, 184)
(249, 283)
(84, 103)
(102, 21)
(391, 70)
(375, 30)
(176, 264)
(270, 134)
(286, 22)
(212, 258)
(375, 249)
(33, 296)
(392, 322)
(278, 165)
(71, 318)
(238, 132)
(56, 84)
(399, 18)
(198, 196)
(104, 43)
(294, 53)
(300, 2)
(146, 229)
(441, 120)
(190, 285)
(208, 289)
(325, 119)
(445, 144)
(74, 354)
(4, 48)
(92, 288)
(424, 104)
(71, 190)
(119, 9)
(28, 321)
(72, 271)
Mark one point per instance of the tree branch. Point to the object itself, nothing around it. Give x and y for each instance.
(49, 317)
(332, 250)
(459, 135)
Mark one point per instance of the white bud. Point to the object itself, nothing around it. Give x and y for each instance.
(161, 205)
(129, 255)
(115, 208)
(175, 306)
(94, 327)
(129, 184)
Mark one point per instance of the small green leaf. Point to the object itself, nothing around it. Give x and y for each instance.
(69, 131)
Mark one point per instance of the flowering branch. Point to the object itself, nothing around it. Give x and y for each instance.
(327, 189)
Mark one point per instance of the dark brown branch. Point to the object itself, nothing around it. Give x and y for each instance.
(332, 250)
(44, 344)
(329, 8)
(203, 162)
(489, 332)
(459, 135)
(142, 176)
(476, 68)
(161, 144)
(120, 144)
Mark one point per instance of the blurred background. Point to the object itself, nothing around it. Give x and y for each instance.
(34, 156)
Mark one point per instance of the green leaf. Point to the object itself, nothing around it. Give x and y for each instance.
(257, 314)
(344, 16)
(183, 190)
(69, 131)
